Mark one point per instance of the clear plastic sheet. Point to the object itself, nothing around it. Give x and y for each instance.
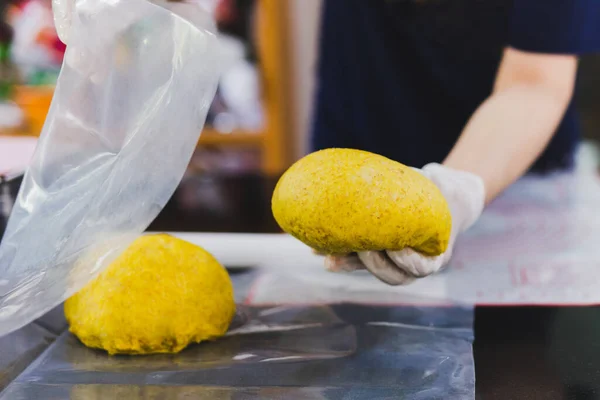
(136, 84)
(344, 351)
(20, 348)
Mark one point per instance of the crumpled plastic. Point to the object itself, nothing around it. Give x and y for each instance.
(131, 100)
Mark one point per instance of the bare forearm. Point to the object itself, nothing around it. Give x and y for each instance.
(505, 136)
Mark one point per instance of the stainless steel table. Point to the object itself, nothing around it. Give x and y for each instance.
(335, 351)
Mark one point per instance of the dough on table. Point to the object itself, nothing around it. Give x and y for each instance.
(159, 296)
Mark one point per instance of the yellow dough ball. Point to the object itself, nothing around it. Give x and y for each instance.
(344, 200)
(159, 296)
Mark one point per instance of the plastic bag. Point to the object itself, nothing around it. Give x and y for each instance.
(130, 103)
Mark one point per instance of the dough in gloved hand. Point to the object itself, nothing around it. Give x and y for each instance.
(159, 296)
(340, 201)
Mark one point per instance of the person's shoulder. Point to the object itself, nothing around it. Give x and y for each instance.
(555, 26)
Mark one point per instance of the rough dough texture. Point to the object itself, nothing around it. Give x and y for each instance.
(159, 296)
(343, 201)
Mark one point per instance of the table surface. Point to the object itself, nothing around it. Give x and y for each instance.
(347, 350)
(520, 352)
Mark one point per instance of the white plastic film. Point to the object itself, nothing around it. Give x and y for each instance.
(130, 103)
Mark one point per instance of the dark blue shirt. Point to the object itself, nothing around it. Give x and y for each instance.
(402, 77)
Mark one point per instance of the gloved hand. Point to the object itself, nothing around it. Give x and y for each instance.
(63, 11)
(465, 194)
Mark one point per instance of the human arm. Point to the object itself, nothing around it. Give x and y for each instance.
(500, 142)
(512, 127)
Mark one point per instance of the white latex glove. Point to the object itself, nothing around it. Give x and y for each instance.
(63, 12)
(465, 194)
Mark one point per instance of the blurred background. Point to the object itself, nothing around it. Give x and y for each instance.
(256, 126)
(260, 118)
(249, 127)
(259, 121)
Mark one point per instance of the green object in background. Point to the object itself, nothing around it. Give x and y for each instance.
(43, 78)
(5, 52)
(6, 72)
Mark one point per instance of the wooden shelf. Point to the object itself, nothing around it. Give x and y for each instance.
(211, 137)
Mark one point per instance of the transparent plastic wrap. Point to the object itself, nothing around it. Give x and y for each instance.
(131, 100)
(20, 348)
(340, 351)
